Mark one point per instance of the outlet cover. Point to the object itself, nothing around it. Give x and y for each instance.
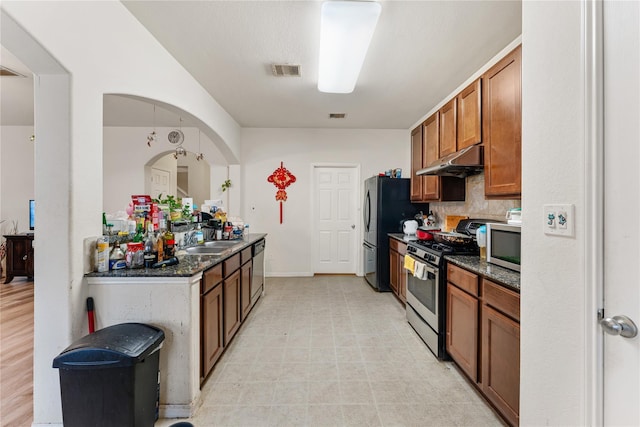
(559, 220)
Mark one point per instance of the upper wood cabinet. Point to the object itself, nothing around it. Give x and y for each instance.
(425, 149)
(502, 124)
(416, 164)
(430, 153)
(448, 120)
(469, 115)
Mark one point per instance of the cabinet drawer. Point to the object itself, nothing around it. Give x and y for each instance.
(245, 255)
(463, 279)
(211, 277)
(397, 246)
(230, 265)
(501, 299)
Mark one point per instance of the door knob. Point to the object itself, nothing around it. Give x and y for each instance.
(619, 325)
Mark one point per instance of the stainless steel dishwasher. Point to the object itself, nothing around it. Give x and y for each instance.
(257, 280)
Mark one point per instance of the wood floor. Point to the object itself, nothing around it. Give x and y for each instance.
(16, 353)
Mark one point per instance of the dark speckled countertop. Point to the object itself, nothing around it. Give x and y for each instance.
(188, 264)
(500, 275)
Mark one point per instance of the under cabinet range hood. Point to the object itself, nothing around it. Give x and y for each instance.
(468, 161)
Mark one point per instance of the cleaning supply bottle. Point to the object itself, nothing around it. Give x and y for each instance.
(481, 238)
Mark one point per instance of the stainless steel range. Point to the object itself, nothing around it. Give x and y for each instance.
(426, 290)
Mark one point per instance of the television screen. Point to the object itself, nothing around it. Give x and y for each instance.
(32, 214)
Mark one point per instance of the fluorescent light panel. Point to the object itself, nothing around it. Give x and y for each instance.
(346, 29)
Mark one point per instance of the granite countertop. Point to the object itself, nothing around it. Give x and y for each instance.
(189, 264)
(402, 237)
(501, 275)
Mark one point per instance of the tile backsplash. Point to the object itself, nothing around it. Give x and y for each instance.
(475, 205)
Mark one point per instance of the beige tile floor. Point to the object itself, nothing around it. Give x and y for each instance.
(329, 351)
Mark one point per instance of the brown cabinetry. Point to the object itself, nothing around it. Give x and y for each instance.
(19, 261)
(501, 350)
(469, 115)
(448, 121)
(462, 319)
(425, 149)
(245, 281)
(502, 124)
(211, 330)
(483, 337)
(397, 273)
(231, 297)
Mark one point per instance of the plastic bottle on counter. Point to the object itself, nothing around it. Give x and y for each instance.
(245, 231)
(481, 238)
(199, 235)
(103, 254)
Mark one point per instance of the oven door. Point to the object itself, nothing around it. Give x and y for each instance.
(422, 294)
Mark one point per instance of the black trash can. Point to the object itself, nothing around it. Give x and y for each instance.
(111, 377)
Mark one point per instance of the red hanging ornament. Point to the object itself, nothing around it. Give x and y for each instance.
(281, 178)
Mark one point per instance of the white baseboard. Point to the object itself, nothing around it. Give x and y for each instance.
(177, 411)
(289, 274)
(47, 425)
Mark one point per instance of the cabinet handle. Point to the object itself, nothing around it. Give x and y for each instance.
(24, 258)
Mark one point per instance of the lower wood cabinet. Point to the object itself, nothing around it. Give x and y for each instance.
(231, 296)
(211, 317)
(462, 330)
(397, 272)
(483, 337)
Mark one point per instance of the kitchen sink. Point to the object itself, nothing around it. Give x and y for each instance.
(221, 243)
(205, 250)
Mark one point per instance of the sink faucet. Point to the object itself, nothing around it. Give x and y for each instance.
(189, 239)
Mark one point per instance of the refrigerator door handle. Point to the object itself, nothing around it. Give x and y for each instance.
(367, 212)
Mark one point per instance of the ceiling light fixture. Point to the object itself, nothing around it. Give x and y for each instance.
(346, 29)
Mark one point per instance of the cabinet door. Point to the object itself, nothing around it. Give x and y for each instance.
(402, 280)
(502, 125)
(212, 334)
(448, 120)
(469, 116)
(416, 163)
(247, 270)
(393, 271)
(430, 153)
(231, 296)
(462, 330)
(501, 362)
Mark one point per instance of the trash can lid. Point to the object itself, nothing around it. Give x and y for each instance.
(115, 346)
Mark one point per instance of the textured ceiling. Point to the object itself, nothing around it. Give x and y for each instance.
(420, 52)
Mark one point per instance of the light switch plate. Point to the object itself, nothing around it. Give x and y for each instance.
(559, 220)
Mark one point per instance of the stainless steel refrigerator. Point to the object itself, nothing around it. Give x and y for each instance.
(386, 204)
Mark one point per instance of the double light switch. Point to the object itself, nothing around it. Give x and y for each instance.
(559, 220)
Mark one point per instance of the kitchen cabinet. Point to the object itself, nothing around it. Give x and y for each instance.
(245, 281)
(211, 330)
(425, 149)
(469, 115)
(19, 256)
(448, 128)
(462, 319)
(501, 349)
(502, 127)
(397, 273)
(416, 164)
(483, 337)
(231, 288)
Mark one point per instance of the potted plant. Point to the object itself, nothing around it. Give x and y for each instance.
(176, 209)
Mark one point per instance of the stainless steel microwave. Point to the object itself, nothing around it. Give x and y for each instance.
(503, 245)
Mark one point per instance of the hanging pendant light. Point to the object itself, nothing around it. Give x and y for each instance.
(199, 156)
(152, 136)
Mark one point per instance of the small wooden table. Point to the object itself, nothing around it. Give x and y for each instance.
(19, 256)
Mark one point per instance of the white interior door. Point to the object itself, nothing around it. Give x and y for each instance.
(335, 207)
(160, 182)
(621, 50)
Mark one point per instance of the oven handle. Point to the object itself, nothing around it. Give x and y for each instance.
(429, 267)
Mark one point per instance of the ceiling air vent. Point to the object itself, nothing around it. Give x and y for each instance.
(4, 71)
(337, 115)
(285, 70)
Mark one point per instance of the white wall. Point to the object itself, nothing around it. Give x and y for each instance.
(126, 153)
(289, 248)
(16, 176)
(80, 51)
(554, 290)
